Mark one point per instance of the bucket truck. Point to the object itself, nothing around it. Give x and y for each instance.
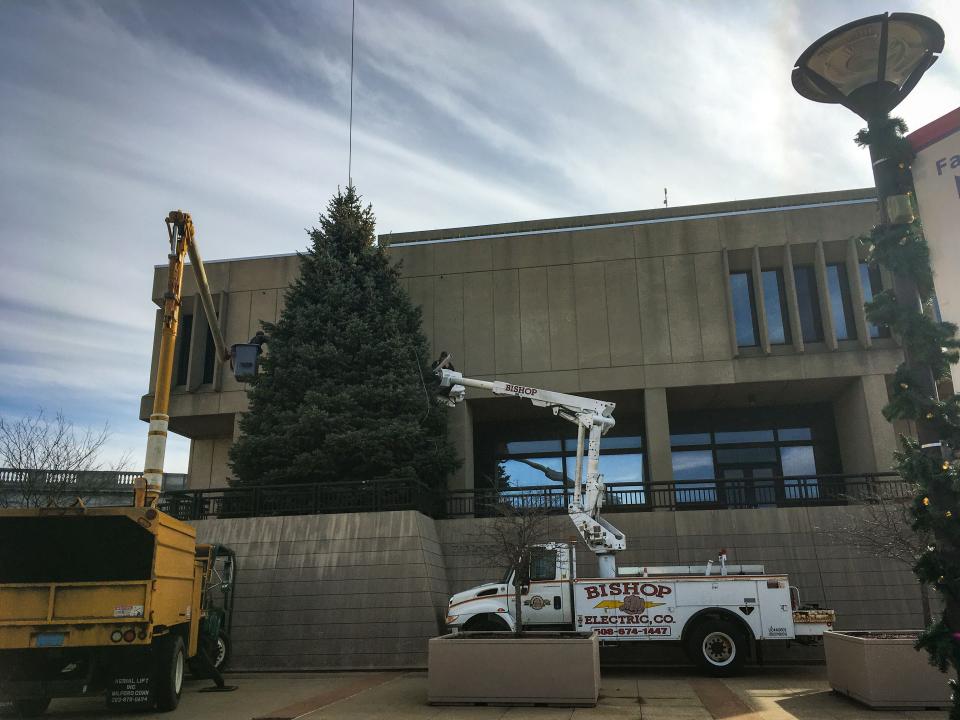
(719, 614)
(117, 600)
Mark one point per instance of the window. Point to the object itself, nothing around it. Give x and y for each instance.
(775, 303)
(209, 356)
(735, 456)
(540, 471)
(543, 564)
(841, 309)
(744, 312)
(183, 349)
(872, 284)
(808, 302)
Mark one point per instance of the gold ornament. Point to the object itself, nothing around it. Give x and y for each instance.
(904, 386)
(929, 416)
(926, 501)
(940, 579)
(948, 513)
(946, 465)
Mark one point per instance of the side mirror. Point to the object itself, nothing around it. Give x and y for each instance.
(245, 360)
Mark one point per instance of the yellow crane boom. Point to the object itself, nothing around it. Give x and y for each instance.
(182, 244)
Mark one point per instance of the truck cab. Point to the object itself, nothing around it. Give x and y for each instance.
(545, 595)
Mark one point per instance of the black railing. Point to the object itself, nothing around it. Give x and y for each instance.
(302, 499)
(389, 494)
(728, 494)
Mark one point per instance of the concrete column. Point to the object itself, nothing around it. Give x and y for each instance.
(731, 321)
(460, 427)
(657, 439)
(856, 294)
(823, 291)
(760, 301)
(867, 440)
(793, 305)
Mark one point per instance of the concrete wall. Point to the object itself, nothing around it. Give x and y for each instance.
(334, 591)
(369, 590)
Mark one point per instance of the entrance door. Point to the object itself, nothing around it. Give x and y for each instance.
(749, 485)
(547, 596)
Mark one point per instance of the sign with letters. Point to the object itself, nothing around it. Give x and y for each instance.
(936, 176)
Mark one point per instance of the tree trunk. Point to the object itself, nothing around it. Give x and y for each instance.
(925, 605)
(518, 603)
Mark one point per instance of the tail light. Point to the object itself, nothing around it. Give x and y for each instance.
(129, 635)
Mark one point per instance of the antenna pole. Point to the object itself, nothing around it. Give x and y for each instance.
(353, 24)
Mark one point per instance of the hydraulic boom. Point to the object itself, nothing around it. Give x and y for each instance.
(182, 243)
(593, 419)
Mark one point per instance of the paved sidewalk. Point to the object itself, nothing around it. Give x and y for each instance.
(794, 693)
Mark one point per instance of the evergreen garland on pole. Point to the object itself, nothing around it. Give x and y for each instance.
(903, 250)
(344, 393)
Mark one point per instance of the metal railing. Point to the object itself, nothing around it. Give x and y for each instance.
(302, 499)
(391, 494)
(726, 494)
(88, 479)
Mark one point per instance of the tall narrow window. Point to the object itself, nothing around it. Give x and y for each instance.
(209, 358)
(183, 349)
(841, 308)
(872, 284)
(775, 302)
(808, 302)
(744, 312)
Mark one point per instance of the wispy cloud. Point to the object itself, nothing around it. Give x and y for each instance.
(465, 113)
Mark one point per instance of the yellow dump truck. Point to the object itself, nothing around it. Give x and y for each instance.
(112, 600)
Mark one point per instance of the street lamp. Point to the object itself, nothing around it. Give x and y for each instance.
(869, 66)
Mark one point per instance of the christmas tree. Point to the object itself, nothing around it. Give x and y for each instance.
(345, 388)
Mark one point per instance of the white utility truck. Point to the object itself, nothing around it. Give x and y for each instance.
(719, 612)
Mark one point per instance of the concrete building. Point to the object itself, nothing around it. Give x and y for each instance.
(731, 336)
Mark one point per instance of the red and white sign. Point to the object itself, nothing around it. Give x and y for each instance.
(936, 175)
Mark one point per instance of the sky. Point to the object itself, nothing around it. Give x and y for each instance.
(465, 112)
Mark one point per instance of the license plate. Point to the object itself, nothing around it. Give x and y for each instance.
(51, 639)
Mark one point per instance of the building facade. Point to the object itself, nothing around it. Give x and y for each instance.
(731, 336)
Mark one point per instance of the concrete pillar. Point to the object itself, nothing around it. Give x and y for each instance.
(460, 427)
(759, 301)
(823, 291)
(656, 420)
(731, 320)
(852, 261)
(793, 305)
(867, 440)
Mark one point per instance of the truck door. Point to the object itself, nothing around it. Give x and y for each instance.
(547, 597)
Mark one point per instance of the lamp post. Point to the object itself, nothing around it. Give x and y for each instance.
(869, 66)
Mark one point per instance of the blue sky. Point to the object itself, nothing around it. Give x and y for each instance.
(465, 112)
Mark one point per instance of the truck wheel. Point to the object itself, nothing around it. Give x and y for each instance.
(221, 651)
(718, 647)
(31, 707)
(170, 660)
(486, 623)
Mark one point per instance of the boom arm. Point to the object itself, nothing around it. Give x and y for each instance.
(593, 419)
(182, 242)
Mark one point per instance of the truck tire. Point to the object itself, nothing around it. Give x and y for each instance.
(717, 647)
(170, 661)
(486, 623)
(221, 651)
(31, 707)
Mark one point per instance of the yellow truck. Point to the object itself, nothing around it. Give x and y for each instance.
(113, 600)
(120, 599)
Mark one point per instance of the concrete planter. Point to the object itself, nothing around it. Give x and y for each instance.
(883, 672)
(501, 668)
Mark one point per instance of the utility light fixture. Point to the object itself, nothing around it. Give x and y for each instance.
(869, 65)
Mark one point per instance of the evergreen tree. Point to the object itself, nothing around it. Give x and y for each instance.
(345, 391)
